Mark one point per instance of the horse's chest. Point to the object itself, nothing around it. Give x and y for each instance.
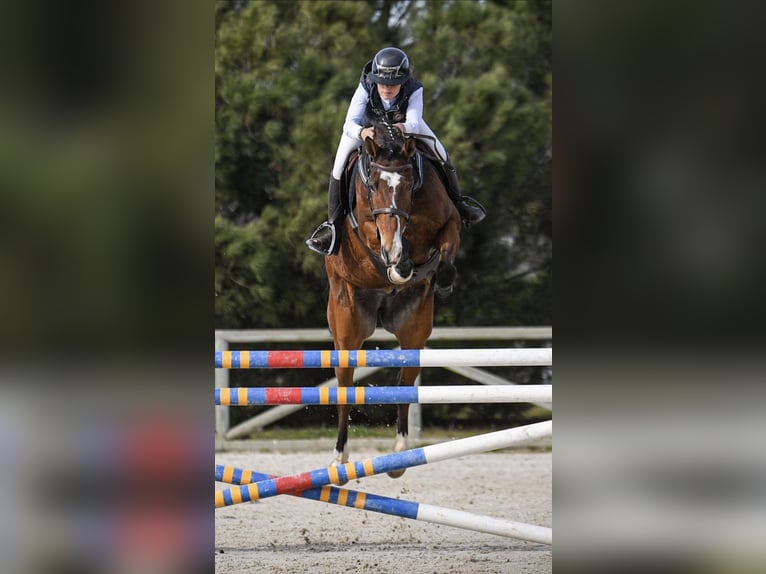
(392, 306)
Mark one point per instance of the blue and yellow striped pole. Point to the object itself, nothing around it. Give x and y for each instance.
(329, 494)
(309, 359)
(383, 358)
(387, 463)
(249, 396)
(397, 507)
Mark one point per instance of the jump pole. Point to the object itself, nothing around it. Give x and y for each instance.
(390, 462)
(249, 396)
(396, 507)
(384, 358)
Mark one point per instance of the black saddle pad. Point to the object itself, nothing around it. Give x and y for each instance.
(347, 193)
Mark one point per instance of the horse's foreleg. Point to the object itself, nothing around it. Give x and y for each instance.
(446, 272)
(350, 326)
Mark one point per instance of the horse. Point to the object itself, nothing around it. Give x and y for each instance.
(398, 246)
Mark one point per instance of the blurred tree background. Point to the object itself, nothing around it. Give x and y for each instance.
(284, 75)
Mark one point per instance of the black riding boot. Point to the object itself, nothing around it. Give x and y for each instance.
(326, 238)
(471, 211)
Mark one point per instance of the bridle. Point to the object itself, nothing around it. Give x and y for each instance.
(364, 168)
(391, 209)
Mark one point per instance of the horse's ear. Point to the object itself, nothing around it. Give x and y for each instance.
(410, 147)
(370, 147)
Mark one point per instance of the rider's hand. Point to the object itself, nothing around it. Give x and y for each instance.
(366, 133)
(401, 128)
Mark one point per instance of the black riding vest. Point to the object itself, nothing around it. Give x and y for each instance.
(398, 110)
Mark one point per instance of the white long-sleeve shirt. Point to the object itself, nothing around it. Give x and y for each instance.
(352, 127)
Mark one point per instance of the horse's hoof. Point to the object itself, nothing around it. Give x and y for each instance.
(339, 459)
(400, 445)
(445, 279)
(443, 292)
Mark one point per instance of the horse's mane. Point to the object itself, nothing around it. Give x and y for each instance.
(388, 138)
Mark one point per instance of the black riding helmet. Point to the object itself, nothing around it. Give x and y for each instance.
(390, 66)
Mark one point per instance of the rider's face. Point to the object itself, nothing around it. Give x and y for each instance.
(388, 92)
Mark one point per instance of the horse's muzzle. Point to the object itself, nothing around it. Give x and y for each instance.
(397, 261)
(394, 255)
(396, 278)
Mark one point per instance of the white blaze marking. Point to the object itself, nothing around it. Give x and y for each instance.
(392, 178)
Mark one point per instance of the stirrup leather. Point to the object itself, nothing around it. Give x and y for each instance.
(315, 237)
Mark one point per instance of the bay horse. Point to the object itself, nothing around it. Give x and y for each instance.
(398, 246)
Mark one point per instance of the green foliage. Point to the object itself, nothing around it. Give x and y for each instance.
(284, 74)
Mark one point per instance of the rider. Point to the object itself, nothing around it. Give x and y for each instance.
(387, 91)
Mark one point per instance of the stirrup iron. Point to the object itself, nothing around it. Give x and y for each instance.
(315, 237)
(470, 204)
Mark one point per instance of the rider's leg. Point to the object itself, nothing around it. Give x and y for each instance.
(326, 238)
(471, 211)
